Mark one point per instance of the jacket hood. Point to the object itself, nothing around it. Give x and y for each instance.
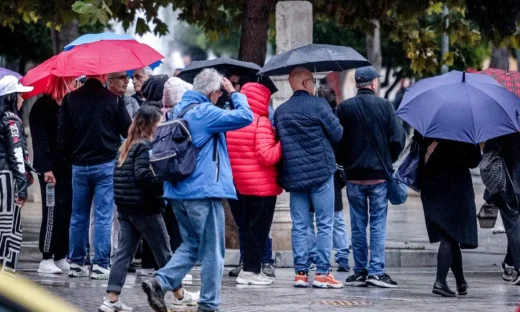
(153, 88)
(258, 97)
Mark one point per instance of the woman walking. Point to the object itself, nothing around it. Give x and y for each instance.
(54, 231)
(138, 196)
(449, 205)
(254, 153)
(14, 179)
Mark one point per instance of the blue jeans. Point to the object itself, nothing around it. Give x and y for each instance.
(201, 223)
(359, 197)
(92, 183)
(322, 198)
(340, 240)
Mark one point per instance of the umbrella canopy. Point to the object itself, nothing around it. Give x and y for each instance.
(461, 107)
(509, 79)
(6, 72)
(89, 38)
(97, 58)
(224, 65)
(316, 58)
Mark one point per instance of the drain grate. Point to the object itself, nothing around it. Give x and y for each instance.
(345, 303)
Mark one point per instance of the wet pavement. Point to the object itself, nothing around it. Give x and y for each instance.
(487, 292)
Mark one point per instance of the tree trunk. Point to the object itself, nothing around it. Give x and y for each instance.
(374, 47)
(66, 35)
(500, 59)
(254, 32)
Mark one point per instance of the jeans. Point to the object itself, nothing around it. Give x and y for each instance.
(340, 240)
(88, 183)
(202, 224)
(259, 217)
(132, 228)
(359, 197)
(512, 227)
(239, 214)
(322, 198)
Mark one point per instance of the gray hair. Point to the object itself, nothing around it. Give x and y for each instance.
(147, 71)
(207, 81)
(363, 84)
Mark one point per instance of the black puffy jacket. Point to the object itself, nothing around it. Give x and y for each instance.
(13, 151)
(136, 189)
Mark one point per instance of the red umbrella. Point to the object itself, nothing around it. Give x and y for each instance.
(509, 79)
(96, 58)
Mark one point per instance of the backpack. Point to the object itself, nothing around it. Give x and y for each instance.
(174, 157)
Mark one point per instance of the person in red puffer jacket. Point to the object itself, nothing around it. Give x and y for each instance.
(254, 152)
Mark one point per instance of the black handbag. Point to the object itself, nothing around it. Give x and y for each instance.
(487, 216)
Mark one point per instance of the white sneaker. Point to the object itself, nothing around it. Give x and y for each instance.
(147, 272)
(63, 264)
(77, 270)
(189, 300)
(48, 267)
(188, 278)
(118, 306)
(250, 278)
(99, 273)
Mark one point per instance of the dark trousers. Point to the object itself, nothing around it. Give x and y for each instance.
(132, 228)
(237, 208)
(512, 227)
(258, 220)
(172, 227)
(54, 231)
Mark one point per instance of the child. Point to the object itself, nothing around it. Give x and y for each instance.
(138, 196)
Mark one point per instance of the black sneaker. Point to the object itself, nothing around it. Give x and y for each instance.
(508, 272)
(383, 281)
(516, 280)
(155, 295)
(357, 280)
(236, 271)
(343, 269)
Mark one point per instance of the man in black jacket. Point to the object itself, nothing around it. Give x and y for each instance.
(367, 178)
(92, 121)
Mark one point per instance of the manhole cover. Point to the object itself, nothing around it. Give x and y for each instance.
(345, 303)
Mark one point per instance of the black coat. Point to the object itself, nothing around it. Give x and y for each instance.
(356, 152)
(136, 189)
(447, 191)
(92, 121)
(43, 120)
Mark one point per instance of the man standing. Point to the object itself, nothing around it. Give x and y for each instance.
(91, 122)
(139, 76)
(197, 200)
(367, 180)
(307, 127)
(118, 84)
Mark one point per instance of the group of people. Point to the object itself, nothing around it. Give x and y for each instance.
(93, 144)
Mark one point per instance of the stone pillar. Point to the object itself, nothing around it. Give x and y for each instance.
(293, 29)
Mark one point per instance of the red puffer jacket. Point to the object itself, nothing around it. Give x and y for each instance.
(254, 150)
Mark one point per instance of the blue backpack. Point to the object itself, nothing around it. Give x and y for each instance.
(174, 157)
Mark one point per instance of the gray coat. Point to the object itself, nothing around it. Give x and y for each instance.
(131, 104)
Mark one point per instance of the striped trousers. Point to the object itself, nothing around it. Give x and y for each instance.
(10, 224)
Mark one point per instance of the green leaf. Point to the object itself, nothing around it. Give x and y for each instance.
(435, 8)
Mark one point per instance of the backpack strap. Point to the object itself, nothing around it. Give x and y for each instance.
(187, 109)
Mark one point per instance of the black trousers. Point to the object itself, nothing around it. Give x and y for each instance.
(512, 227)
(54, 231)
(259, 217)
(175, 239)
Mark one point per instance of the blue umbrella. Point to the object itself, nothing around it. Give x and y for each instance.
(6, 72)
(89, 38)
(461, 107)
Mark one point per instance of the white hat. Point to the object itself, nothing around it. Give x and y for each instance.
(9, 84)
(174, 89)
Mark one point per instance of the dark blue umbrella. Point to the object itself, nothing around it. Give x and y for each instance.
(461, 107)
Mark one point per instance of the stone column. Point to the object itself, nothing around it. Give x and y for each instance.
(293, 29)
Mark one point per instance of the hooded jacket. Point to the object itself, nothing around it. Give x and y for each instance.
(153, 89)
(254, 150)
(210, 179)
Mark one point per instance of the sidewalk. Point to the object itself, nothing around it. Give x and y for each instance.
(407, 240)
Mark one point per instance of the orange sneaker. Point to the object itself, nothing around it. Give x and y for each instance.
(326, 281)
(301, 280)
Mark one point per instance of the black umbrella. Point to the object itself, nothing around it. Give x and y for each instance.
(316, 58)
(225, 65)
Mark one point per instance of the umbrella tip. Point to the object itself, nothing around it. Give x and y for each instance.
(463, 76)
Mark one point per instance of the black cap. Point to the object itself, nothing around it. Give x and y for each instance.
(366, 74)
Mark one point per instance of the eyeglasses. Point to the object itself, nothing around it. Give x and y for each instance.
(122, 77)
(217, 91)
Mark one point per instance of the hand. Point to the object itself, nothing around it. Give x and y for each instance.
(227, 85)
(49, 178)
(20, 201)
